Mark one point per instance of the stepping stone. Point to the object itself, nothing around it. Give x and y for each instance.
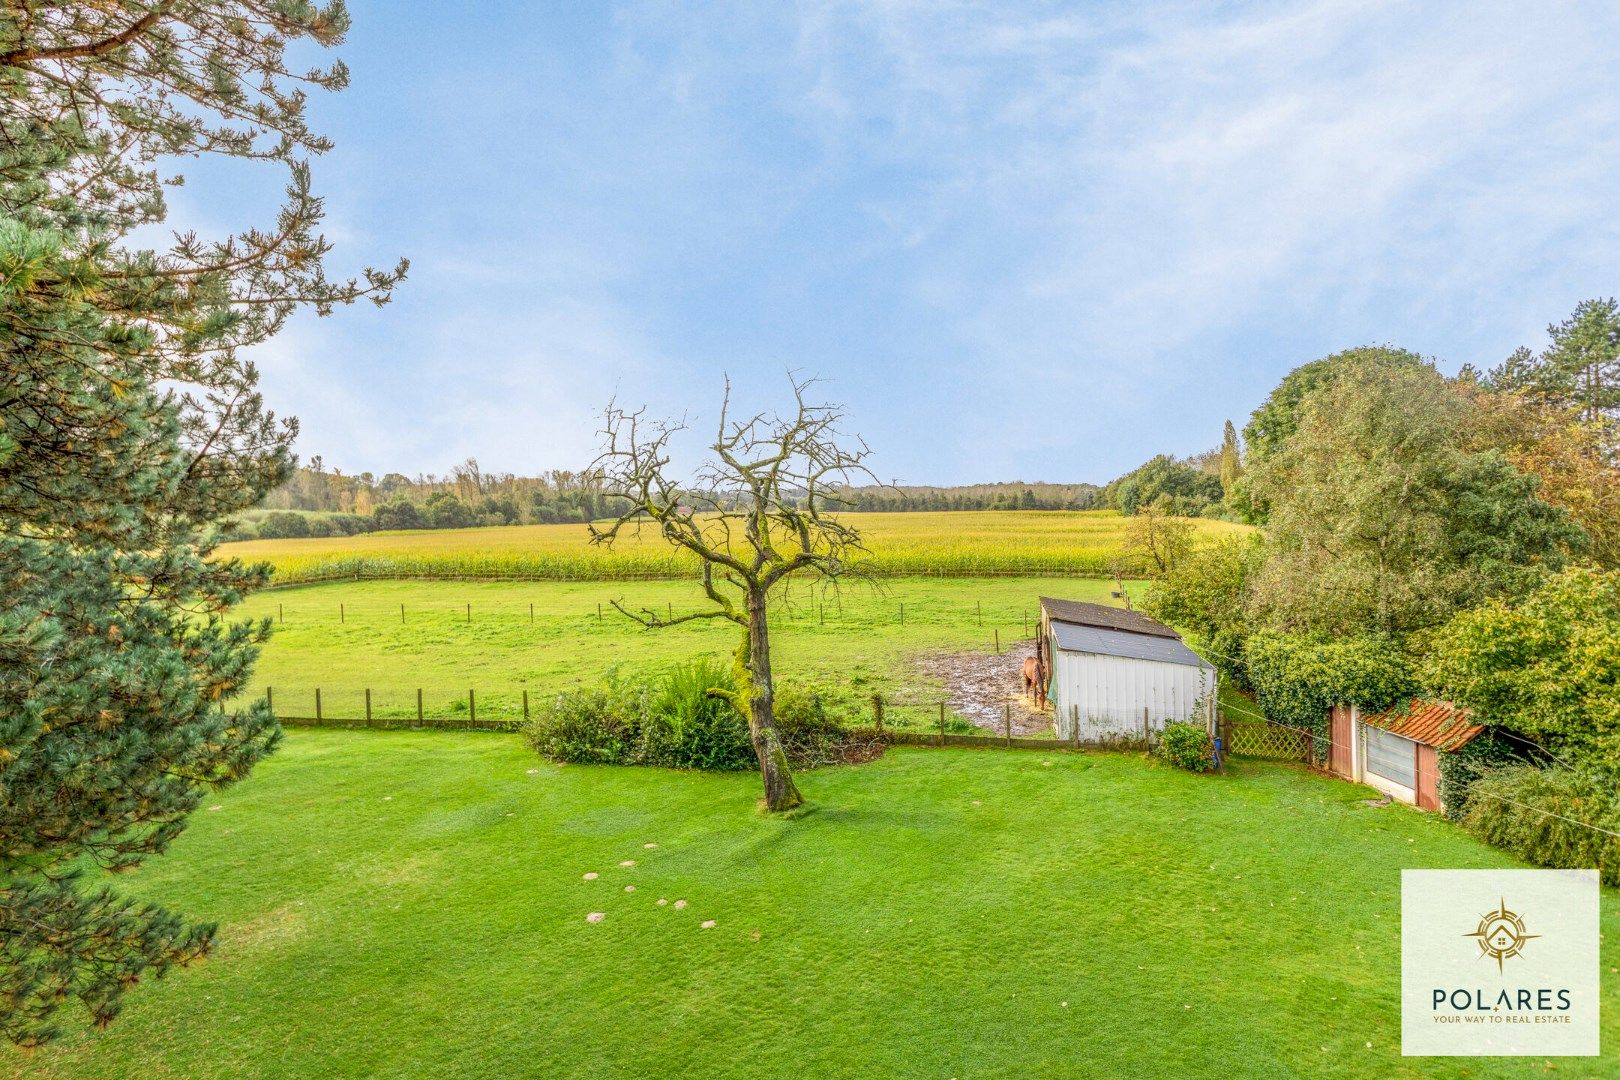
(596, 916)
(591, 876)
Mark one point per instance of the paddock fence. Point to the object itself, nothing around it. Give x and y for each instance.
(898, 720)
(290, 579)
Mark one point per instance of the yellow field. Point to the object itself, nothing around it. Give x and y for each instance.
(952, 544)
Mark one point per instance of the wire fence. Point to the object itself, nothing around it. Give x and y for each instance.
(1003, 625)
(293, 578)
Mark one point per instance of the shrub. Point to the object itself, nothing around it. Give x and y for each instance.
(1297, 678)
(1186, 746)
(687, 728)
(811, 734)
(1514, 809)
(1482, 756)
(592, 725)
(283, 525)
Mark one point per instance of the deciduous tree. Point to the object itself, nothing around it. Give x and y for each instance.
(1547, 666)
(1385, 519)
(758, 513)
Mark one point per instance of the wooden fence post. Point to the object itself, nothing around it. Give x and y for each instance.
(270, 698)
(531, 612)
(1145, 736)
(902, 614)
(281, 614)
(942, 723)
(368, 706)
(525, 704)
(469, 613)
(341, 616)
(599, 611)
(1074, 726)
(1026, 622)
(998, 642)
(317, 703)
(419, 705)
(472, 706)
(877, 710)
(978, 610)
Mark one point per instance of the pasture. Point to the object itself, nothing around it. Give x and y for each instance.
(345, 638)
(412, 904)
(958, 544)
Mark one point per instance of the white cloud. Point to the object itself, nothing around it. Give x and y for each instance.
(1022, 238)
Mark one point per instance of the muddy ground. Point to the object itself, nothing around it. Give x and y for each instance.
(980, 685)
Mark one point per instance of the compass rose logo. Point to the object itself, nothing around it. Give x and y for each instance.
(1501, 934)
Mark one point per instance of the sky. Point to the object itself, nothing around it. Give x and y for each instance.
(1018, 240)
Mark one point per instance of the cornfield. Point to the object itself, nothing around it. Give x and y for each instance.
(945, 544)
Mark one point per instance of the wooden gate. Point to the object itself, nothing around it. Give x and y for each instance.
(1340, 755)
(1277, 742)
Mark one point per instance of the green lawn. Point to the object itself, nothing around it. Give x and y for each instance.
(412, 905)
(346, 638)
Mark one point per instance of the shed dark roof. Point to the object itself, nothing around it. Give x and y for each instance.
(1071, 637)
(1106, 618)
(1439, 724)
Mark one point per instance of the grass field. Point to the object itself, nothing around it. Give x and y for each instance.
(955, 544)
(412, 905)
(345, 638)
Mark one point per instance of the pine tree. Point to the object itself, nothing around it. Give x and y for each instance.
(1578, 371)
(130, 425)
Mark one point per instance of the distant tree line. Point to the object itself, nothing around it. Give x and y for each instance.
(319, 501)
(467, 496)
(1014, 495)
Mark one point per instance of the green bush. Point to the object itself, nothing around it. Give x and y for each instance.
(1186, 746)
(1297, 678)
(1514, 809)
(686, 728)
(673, 722)
(1482, 756)
(598, 725)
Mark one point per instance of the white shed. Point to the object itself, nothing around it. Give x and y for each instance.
(1118, 674)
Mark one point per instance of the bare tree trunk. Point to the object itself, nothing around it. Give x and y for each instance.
(780, 792)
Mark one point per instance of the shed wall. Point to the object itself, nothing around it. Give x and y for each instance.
(1111, 692)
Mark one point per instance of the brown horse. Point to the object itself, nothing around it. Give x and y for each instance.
(1032, 682)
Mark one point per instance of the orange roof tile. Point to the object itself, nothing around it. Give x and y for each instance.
(1439, 724)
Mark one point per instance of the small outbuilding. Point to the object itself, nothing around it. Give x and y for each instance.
(1398, 752)
(1112, 673)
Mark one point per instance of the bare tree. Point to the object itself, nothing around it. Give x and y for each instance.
(760, 510)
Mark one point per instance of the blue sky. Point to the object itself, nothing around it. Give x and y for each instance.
(1032, 241)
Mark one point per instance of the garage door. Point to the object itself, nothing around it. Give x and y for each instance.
(1391, 757)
